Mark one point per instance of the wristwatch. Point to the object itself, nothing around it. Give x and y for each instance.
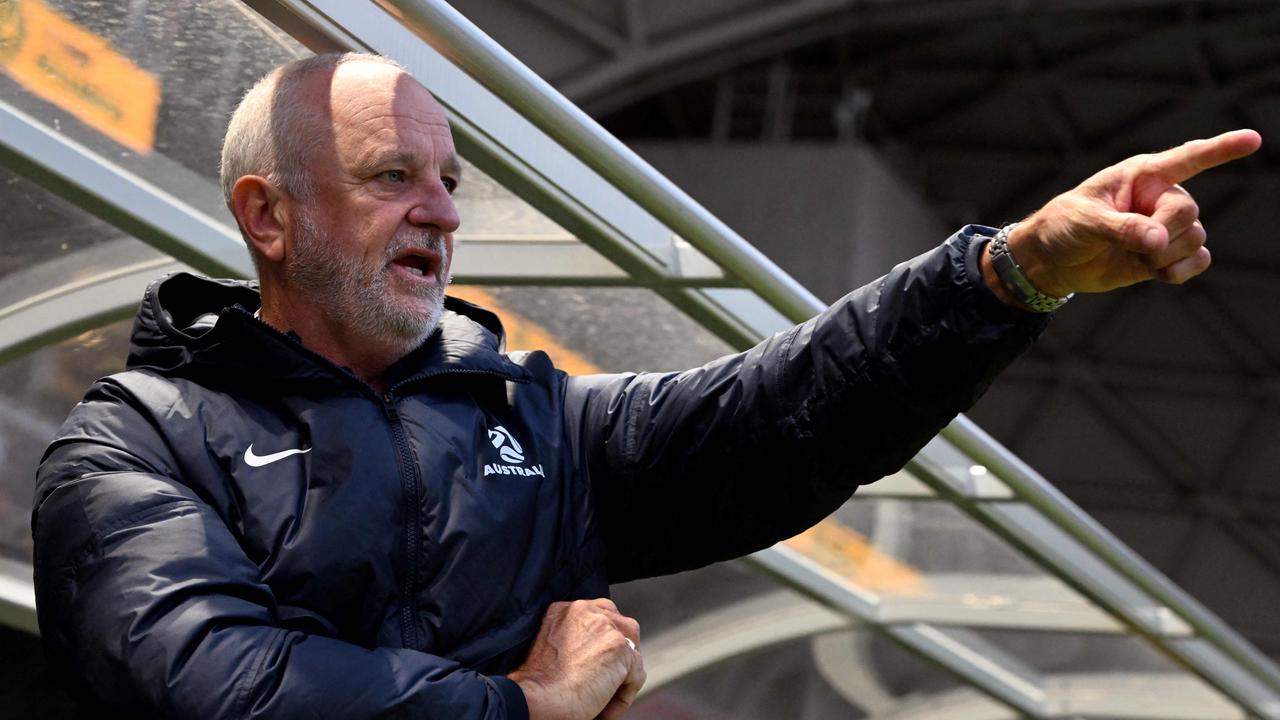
(1015, 280)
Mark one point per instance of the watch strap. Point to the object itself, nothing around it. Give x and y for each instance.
(1015, 280)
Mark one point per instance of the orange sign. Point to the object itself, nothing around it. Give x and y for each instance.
(78, 71)
(525, 335)
(849, 554)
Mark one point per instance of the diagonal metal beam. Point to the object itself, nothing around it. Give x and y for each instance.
(780, 27)
(821, 585)
(70, 309)
(1078, 63)
(1043, 82)
(73, 172)
(637, 26)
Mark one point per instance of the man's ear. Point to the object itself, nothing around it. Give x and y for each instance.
(259, 208)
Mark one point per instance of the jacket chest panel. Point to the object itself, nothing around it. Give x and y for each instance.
(500, 520)
(314, 501)
(474, 523)
(486, 481)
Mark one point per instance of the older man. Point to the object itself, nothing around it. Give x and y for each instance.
(333, 495)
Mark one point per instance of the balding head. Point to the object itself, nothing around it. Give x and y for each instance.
(279, 121)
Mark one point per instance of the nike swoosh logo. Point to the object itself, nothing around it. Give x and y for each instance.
(259, 460)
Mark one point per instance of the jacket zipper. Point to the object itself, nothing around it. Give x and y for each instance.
(409, 484)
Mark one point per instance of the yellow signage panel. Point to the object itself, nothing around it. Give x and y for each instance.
(523, 334)
(67, 65)
(851, 555)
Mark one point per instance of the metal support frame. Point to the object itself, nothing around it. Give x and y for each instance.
(72, 308)
(557, 118)
(82, 177)
(822, 586)
(632, 213)
(1057, 511)
(17, 596)
(777, 617)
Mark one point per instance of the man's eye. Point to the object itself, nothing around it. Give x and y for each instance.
(394, 176)
(449, 184)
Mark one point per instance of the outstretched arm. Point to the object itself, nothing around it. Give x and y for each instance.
(689, 468)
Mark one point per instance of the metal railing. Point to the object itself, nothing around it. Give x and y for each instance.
(542, 105)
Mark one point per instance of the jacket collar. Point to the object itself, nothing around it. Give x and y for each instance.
(192, 325)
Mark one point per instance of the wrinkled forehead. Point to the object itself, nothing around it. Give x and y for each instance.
(360, 88)
(373, 107)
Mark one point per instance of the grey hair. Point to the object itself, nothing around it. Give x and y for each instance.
(270, 133)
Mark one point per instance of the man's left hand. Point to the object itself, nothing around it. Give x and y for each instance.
(1128, 223)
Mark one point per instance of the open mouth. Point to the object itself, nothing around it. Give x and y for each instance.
(420, 263)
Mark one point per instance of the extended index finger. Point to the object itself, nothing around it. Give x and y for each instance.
(1191, 158)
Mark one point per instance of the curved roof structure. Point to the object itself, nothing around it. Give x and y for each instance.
(983, 110)
(943, 591)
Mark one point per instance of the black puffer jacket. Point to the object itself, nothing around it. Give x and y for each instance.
(235, 527)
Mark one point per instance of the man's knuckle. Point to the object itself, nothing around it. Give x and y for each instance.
(1187, 210)
(1130, 227)
(602, 603)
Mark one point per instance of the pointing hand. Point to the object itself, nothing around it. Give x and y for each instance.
(1128, 223)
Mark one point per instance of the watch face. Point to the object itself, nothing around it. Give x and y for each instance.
(1015, 281)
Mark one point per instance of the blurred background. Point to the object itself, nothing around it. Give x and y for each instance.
(839, 137)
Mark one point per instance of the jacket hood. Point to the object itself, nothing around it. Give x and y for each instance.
(192, 325)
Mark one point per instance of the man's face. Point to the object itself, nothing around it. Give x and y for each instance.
(371, 247)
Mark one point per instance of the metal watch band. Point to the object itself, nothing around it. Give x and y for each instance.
(1015, 281)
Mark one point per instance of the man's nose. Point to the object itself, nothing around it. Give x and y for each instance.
(435, 208)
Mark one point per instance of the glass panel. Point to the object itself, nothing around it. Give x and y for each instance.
(927, 560)
(1113, 675)
(934, 537)
(589, 330)
(148, 85)
(1055, 653)
(490, 211)
(494, 219)
(36, 393)
(39, 228)
(660, 604)
(48, 242)
(851, 674)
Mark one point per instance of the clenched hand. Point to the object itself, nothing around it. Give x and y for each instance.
(584, 663)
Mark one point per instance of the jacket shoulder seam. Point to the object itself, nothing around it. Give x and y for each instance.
(779, 380)
(94, 542)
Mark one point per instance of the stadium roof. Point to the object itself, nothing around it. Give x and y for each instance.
(966, 560)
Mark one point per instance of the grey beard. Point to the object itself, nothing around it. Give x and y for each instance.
(357, 297)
